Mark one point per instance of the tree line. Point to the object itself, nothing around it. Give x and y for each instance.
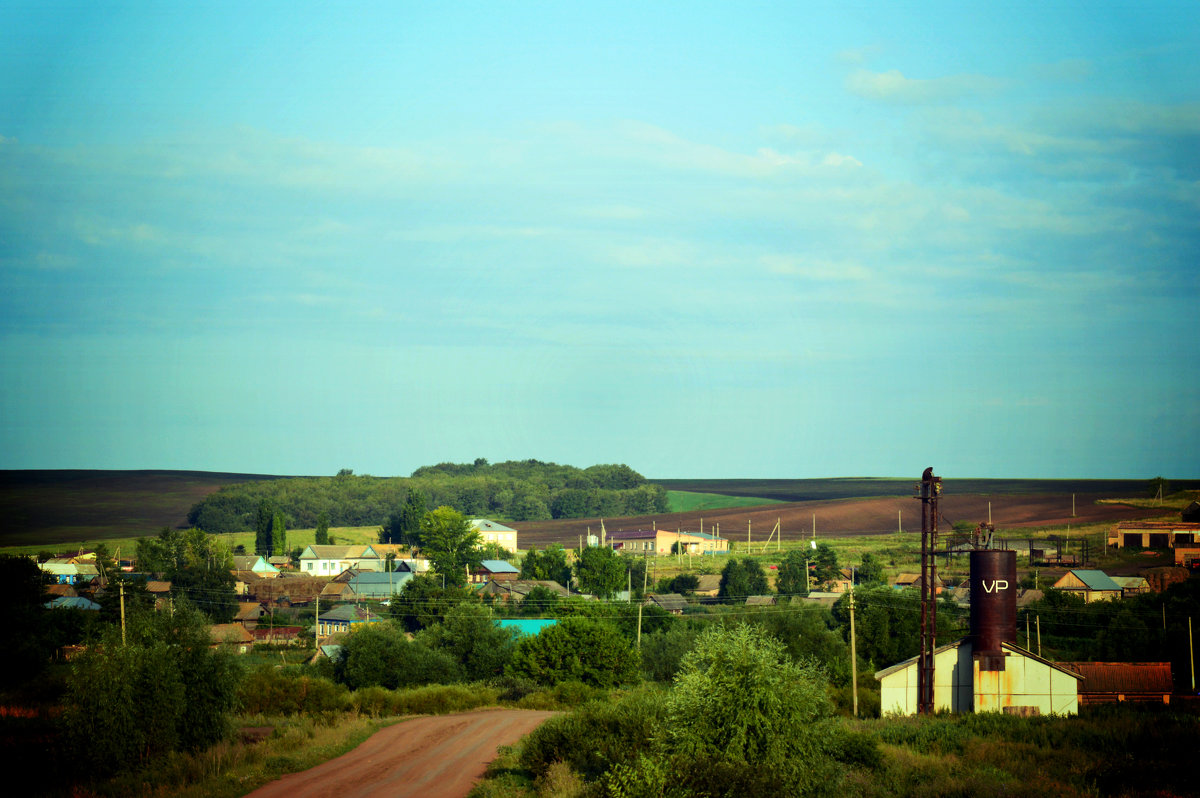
(525, 490)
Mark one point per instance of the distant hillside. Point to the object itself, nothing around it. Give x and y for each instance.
(55, 507)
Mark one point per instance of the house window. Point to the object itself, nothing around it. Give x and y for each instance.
(308, 565)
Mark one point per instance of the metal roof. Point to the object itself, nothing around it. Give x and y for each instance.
(500, 567)
(1095, 580)
(484, 525)
(1123, 677)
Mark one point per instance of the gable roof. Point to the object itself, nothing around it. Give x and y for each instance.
(671, 602)
(484, 525)
(521, 587)
(72, 603)
(351, 613)
(761, 601)
(1094, 580)
(315, 552)
(229, 633)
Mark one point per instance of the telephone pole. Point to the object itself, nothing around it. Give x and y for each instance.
(853, 657)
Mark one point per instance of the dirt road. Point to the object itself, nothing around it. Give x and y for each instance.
(433, 757)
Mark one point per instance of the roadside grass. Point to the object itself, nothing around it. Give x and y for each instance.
(682, 501)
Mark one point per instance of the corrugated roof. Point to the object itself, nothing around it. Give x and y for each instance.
(1123, 677)
(1095, 580)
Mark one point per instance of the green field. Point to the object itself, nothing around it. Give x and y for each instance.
(683, 501)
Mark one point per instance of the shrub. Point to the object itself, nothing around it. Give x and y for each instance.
(443, 699)
(598, 735)
(576, 649)
(382, 655)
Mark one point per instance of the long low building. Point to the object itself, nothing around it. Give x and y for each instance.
(662, 541)
(1154, 534)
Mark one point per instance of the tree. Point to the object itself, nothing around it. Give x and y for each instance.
(404, 525)
(423, 601)
(263, 528)
(450, 544)
(470, 635)
(742, 578)
(792, 576)
(198, 566)
(166, 689)
(826, 562)
(684, 584)
(600, 572)
(278, 535)
(576, 650)
(549, 565)
(539, 601)
(870, 572)
(745, 719)
(381, 655)
(322, 536)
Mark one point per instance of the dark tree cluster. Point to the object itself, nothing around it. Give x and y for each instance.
(526, 490)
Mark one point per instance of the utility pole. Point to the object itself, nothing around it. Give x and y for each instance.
(122, 594)
(853, 657)
(929, 491)
(317, 618)
(639, 635)
(1039, 634)
(629, 586)
(900, 522)
(1191, 651)
(814, 536)
(747, 535)
(1072, 505)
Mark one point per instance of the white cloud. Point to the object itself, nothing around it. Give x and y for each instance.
(893, 87)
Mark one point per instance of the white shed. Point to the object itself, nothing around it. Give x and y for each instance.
(1028, 685)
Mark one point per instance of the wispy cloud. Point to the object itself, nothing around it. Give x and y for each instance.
(893, 87)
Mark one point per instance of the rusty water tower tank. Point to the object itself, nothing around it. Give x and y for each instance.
(993, 604)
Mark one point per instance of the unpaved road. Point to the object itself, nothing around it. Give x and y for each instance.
(433, 757)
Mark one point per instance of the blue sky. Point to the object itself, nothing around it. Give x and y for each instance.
(703, 239)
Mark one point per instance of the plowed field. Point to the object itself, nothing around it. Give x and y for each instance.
(849, 517)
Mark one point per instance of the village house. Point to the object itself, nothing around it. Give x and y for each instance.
(661, 541)
(495, 534)
(517, 589)
(499, 570)
(255, 564)
(345, 618)
(1089, 585)
(231, 636)
(673, 603)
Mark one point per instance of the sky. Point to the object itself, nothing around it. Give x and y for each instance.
(716, 240)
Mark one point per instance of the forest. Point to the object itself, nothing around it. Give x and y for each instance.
(525, 490)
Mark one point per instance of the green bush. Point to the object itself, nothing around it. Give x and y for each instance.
(443, 699)
(597, 736)
(382, 655)
(268, 691)
(565, 695)
(576, 649)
